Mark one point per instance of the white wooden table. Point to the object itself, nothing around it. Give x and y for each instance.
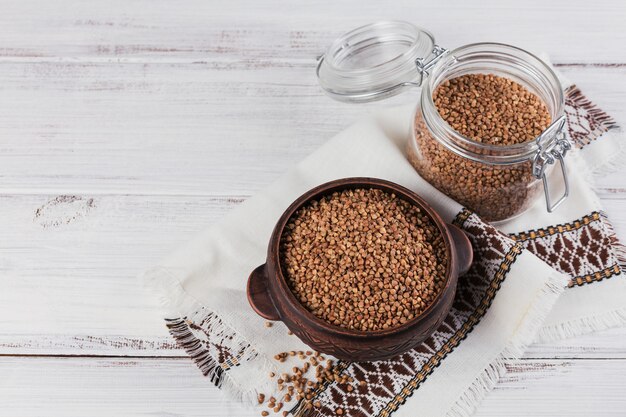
(126, 126)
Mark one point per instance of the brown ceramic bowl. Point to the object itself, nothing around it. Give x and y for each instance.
(270, 296)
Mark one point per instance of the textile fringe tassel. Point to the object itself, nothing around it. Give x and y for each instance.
(194, 317)
(605, 121)
(614, 160)
(606, 127)
(524, 336)
(179, 329)
(301, 411)
(616, 318)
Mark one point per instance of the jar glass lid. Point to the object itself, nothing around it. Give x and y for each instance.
(375, 61)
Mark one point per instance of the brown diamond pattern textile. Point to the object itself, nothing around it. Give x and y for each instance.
(586, 249)
(585, 121)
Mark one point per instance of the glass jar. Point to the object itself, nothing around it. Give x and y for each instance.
(497, 182)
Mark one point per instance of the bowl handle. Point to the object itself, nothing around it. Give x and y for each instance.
(463, 248)
(259, 295)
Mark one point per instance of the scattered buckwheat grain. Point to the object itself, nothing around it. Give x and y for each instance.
(301, 385)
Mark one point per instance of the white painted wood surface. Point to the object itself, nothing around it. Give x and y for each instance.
(170, 387)
(127, 126)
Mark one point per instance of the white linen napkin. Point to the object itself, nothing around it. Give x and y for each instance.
(518, 274)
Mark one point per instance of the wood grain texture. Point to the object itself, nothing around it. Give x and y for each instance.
(172, 387)
(125, 127)
(173, 129)
(283, 33)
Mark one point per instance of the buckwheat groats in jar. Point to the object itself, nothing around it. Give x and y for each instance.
(489, 125)
(363, 259)
(489, 110)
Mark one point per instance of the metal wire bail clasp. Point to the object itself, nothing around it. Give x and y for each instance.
(423, 66)
(549, 152)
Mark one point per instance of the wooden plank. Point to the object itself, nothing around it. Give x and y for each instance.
(92, 344)
(255, 33)
(70, 265)
(36, 387)
(608, 344)
(138, 387)
(555, 387)
(176, 129)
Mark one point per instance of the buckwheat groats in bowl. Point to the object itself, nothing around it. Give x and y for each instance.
(360, 268)
(363, 259)
(489, 110)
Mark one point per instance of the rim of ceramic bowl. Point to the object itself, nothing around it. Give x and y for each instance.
(352, 183)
